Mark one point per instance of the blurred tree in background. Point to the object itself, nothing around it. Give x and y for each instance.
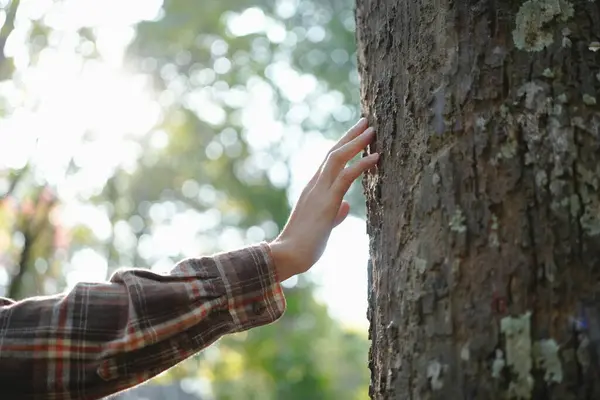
(240, 85)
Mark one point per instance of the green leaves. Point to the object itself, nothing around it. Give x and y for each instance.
(238, 83)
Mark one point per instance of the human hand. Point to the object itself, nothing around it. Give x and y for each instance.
(320, 207)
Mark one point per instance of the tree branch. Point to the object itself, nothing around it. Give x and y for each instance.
(17, 177)
(8, 27)
(33, 227)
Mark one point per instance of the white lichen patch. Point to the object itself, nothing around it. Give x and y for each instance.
(541, 178)
(557, 109)
(481, 122)
(566, 42)
(434, 375)
(578, 122)
(562, 98)
(546, 357)
(498, 364)
(465, 354)
(494, 241)
(590, 221)
(517, 332)
(420, 264)
(594, 46)
(589, 100)
(530, 90)
(508, 150)
(457, 222)
(494, 222)
(548, 73)
(529, 158)
(532, 31)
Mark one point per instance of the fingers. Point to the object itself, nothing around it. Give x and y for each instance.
(342, 213)
(352, 133)
(337, 160)
(351, 173)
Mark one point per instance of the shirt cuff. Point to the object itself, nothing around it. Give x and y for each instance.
(254, 295)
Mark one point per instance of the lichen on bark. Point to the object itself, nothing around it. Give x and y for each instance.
(545, 353)
(533, 29)
(485, 204)
(517, 332)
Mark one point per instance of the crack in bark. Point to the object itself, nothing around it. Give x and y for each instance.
(474, 166)
(576, 184)
(522, 149)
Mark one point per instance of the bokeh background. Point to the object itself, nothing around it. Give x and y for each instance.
(139, 132)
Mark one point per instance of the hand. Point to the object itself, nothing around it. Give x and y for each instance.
(320, 207)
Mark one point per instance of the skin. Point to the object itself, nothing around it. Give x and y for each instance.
(321, 206)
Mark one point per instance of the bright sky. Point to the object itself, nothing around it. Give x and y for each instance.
(342, 271)
(62, 100)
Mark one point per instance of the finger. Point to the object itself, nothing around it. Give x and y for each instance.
(352, 133)
(342, 213)
(351, 173)
(338, 159)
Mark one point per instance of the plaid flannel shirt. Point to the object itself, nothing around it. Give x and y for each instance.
(101, 338)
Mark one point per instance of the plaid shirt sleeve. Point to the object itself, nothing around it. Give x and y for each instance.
(99, 339)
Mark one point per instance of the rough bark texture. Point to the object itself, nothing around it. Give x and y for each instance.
(484, 215)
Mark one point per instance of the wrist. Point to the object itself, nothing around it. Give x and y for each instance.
(282, 260)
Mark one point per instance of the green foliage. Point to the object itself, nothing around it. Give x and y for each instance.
(305, 355)
(204, 161)
(301, 357)
(311, 42)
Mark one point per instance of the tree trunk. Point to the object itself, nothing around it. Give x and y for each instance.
(484, 215)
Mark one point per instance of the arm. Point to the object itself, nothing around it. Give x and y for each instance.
(99, 339)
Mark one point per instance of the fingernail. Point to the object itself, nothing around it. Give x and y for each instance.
(369, 131)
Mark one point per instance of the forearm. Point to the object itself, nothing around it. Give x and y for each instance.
(101, 338)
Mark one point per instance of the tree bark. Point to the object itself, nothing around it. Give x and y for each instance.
(484, 214)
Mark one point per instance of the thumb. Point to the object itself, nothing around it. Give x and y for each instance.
(342, 213)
